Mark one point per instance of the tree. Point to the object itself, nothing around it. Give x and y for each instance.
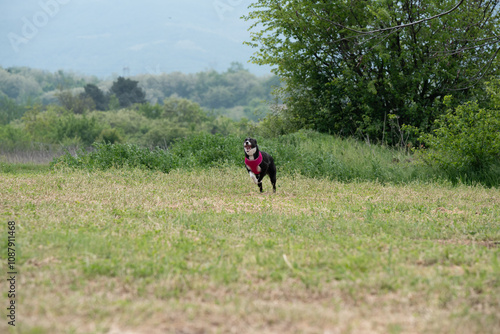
(79, 128)
(40, 124)
(183, 111)
(78, 104)
(127, 92)
(347, 65)
(17, 87)
(97, 95)
(9, 110)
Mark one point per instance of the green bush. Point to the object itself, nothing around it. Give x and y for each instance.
(106, 155)
(130, 124)
(466, 140)
(41, 124)
(149, 110)
(162, 133)
(13, 138)
(205, 150)
(312, 154)
(197, 151)
(9, 110)
(111, 136)
(71, 126)
(277, 123)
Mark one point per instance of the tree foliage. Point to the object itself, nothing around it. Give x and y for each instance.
(76, 103)
(9, 110)
(232, 93)
(100, 99)
(128, 92)
(23, 83)
(82, 128)
(465, 138)
(91, 111)
(231, 89)
(349, 64)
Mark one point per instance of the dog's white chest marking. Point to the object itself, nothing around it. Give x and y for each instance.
(253, 177)
(251, 153)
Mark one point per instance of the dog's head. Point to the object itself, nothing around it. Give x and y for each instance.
(250, 146)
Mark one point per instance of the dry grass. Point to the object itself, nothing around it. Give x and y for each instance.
(127, 251)
(35, 155)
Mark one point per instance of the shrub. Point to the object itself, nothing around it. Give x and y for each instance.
(277, 123)
(13, 138)
(41, 125)
(9, 110)
(106, 155)
(111, 136)
(197, 151)
(70, 126)
(205, 150)
(466, 139)
(163, 133)
(149, 110)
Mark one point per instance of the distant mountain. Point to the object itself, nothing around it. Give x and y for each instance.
(125, 37)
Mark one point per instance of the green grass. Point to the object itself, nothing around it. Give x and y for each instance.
(306, 153)
(201, 250)
(23, 168)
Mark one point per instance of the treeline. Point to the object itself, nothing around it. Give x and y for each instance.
(39, 108)
(141, 123)
(24, 85)
(235, 93)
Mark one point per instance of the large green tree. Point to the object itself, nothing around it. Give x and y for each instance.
(97, 95)
(128, 92)
(349, 64)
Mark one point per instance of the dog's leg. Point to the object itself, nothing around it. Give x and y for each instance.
(272, 176)
(261, 176)
(253, 177)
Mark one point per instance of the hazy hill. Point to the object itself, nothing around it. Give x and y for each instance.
(105, 37)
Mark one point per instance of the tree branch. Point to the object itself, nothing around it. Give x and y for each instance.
(389, 28)
(479, 76)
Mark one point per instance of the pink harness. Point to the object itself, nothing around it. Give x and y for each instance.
(254, 164)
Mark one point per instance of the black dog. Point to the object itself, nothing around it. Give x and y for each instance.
(259, 163)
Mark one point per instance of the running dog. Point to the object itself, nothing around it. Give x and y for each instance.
(259, 163)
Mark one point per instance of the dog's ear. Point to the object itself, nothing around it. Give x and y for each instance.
(255, 140)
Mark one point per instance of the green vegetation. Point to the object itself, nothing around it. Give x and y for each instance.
(348, 65)
(235, 93)
(191, 251)
(466, 139)
(460, 145)
(150, 111)
(145, 124)
(306, 153)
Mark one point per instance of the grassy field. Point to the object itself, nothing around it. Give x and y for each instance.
(134, 251)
